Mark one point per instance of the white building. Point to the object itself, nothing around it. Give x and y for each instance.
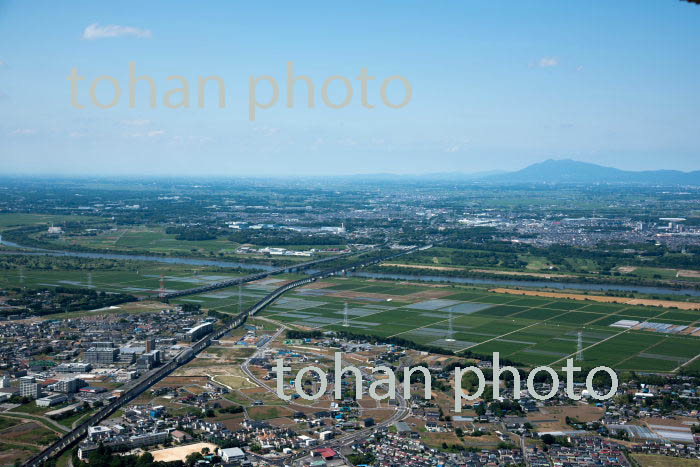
(5, 382)
(54, 399)
(28, 387)
(232, 454)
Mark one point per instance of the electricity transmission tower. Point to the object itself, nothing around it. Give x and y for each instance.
(346, 323)
(579, 350)
(450, 327)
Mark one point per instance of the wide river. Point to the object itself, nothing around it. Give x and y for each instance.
(157, 259)
(373, 275)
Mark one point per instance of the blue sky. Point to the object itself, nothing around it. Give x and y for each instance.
(496, 85)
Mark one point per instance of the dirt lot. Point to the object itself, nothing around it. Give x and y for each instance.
(603, 299)
(627, 269)
(235, 380)
(179, 453)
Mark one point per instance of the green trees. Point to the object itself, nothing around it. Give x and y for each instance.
(104, 457)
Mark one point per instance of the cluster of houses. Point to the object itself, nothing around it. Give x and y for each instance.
(391, 449)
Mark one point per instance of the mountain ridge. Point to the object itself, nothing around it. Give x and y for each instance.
(572, 171)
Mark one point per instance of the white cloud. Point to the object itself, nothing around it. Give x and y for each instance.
(548, 62)
(95, 31)
(136, 122)
(266, 130)
(147, 134)
(23, 132)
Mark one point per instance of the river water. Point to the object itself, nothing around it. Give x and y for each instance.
(551, 284)
(373, 275)
(157, 259)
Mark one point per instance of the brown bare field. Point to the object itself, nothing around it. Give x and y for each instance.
(679, 422)
(627, 269)
(367, 403)
(435, 440)
(487, 441)
(665, 304)
(233, 423)
(204, 368)
(603, 299)
(253, 391)
(688, 273)
(146, 305)
(423, 266)
(179, 453)
(235, 381)
(266, 412)
(10, 454)
(170, 381)
(379, 415)
(584, 413)
(652, 460)
(281, 422)
(543, 275)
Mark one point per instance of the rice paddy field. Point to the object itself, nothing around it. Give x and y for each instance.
(140, 280)
(227, 300)
(530, 330)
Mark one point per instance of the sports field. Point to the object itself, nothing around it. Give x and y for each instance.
(530, 330)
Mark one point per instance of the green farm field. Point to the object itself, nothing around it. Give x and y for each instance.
(146, 239)
(137, 279)
(152, 239)
(8, 221)
(529, 330)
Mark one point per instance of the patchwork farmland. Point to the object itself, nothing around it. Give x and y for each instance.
(235, 299)
(138, 279)
(530, 330)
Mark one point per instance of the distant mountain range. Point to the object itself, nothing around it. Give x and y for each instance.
(570, 171)
(551, 171)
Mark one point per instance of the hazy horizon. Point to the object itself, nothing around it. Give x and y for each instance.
(488, 175)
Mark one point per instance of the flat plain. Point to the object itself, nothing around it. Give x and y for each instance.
(529, 330)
